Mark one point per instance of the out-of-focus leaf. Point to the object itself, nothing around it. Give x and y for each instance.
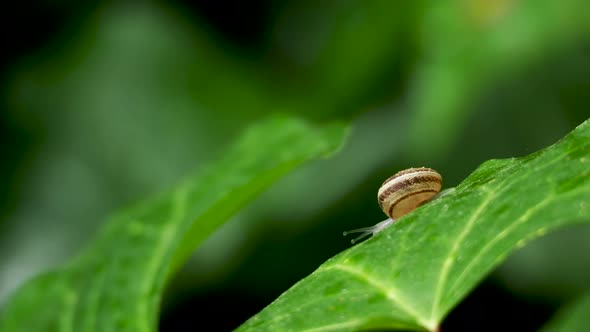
(133, 96)
(347, 53)
(556, 267)
(469, 44)
(413, 273)
(573, 318)
(116, 283)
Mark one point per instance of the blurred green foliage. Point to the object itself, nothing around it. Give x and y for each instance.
(415, 271)
(116, 283)
(130, 96)
(573, 317)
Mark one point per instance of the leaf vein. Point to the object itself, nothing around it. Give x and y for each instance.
(167, 237)
(448, 263)
(521, 220)
(334, 327)
(392, 294)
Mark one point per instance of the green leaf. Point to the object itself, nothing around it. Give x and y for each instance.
(413, 273)
(117, 282)
(573, 318)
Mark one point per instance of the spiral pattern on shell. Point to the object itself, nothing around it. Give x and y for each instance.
(407, 190)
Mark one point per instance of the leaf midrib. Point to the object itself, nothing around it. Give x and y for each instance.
(393, 294)
(450, 259)
(447, 266)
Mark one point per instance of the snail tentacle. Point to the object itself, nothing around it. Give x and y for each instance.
(372, 230)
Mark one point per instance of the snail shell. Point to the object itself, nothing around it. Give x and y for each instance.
(407, 190)
(400, 194)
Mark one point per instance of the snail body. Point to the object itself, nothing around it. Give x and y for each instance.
(400, 194)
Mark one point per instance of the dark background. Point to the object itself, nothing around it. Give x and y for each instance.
(103, 103)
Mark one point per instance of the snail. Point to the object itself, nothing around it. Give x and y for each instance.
(401, 194)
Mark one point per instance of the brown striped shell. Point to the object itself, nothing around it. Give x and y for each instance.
(401, 194)
(407, 190)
